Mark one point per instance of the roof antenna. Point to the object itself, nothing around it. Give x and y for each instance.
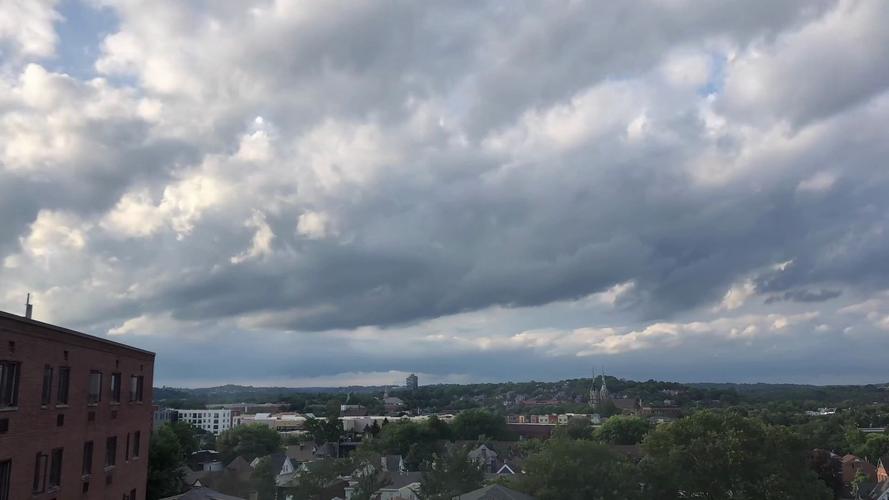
(29, 308)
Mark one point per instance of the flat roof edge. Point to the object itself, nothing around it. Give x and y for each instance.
(68, 331)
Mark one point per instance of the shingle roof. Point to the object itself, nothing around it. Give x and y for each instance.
(202, 494)
(495, 492)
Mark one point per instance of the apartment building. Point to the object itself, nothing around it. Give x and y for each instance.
(215, 421)
(75, 414)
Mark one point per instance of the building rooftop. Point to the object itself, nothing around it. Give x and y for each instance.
(5, 316)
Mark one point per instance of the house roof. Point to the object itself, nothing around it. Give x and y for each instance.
(202, 494)
(495, 492)
(303, 452)
(625, 404)
(398, 481)
(879, 489)
(392, 463)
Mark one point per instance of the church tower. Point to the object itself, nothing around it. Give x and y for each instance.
(594, 394)
(604, 395)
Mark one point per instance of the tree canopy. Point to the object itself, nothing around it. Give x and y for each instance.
(567, 469)
(248, 441)
(718, 455)
(623, 430)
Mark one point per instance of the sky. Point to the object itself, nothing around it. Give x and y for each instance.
(277, 192)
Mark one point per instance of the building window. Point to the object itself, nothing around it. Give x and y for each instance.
(95, 387)
(87, 467)
(62, 393)
(133, 494)
(46, 395)
(9, 384)
(55, 468)
(115, 387)
(126, 452)
(5, 478)
(40, 473)
(137, 444)
(111, 451)
(136, 388)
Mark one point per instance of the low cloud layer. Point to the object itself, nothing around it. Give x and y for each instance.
(667, 188)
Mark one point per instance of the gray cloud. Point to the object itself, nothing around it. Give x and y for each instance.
(382, 167)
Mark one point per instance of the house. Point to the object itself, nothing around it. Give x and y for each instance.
(201, 493)
(393, 464)
(205, 460)
(299, 453)
(882, 472)
(852, 465)
(880, 491)
(280, 463)
(485, 457)
(509, 468)
(495, 492)
(402, 486)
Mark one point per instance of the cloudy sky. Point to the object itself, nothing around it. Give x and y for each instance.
(322, 193)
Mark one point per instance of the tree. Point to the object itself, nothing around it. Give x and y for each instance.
(623, 430)
(450, 475)
(186, 434)
(248, 441)
(579, 428)
(717, 455)
(165, 457)
(578, 470)
(263, 479)
(473, 424)
(873, 448)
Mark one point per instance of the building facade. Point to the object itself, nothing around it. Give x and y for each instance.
(75, 414)
(412, 382)
(213, 421)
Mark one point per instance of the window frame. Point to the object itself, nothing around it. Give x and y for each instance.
(91, 397)
(116, 382)
(63, 386)
(110, 451)
(5, 478)
(10, 375)
(46, 387)
(54, 479)
(86, 466)
(40, 462)
(137, 444)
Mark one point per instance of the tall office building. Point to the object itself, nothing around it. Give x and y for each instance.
(411, 382)
(75, 414)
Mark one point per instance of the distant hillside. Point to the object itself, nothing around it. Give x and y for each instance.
(564, 392)
(828, 394)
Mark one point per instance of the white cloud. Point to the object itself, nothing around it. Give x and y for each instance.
(28, 26)
(261, 244)
(737, 295)
(315, 225)
(820, 181)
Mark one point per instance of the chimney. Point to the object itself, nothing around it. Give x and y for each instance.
(29, 308)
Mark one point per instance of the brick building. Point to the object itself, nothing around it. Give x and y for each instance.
(75, 414)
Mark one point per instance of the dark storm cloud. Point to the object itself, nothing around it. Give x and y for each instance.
(804, 296)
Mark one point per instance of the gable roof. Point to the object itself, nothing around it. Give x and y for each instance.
(398, 481)
(495, 492)
(239, 464)
(301, 452)
(202, 494)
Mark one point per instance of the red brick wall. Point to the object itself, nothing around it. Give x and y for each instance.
(34, 429)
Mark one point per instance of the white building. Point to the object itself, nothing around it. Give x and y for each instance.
(213, 421)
